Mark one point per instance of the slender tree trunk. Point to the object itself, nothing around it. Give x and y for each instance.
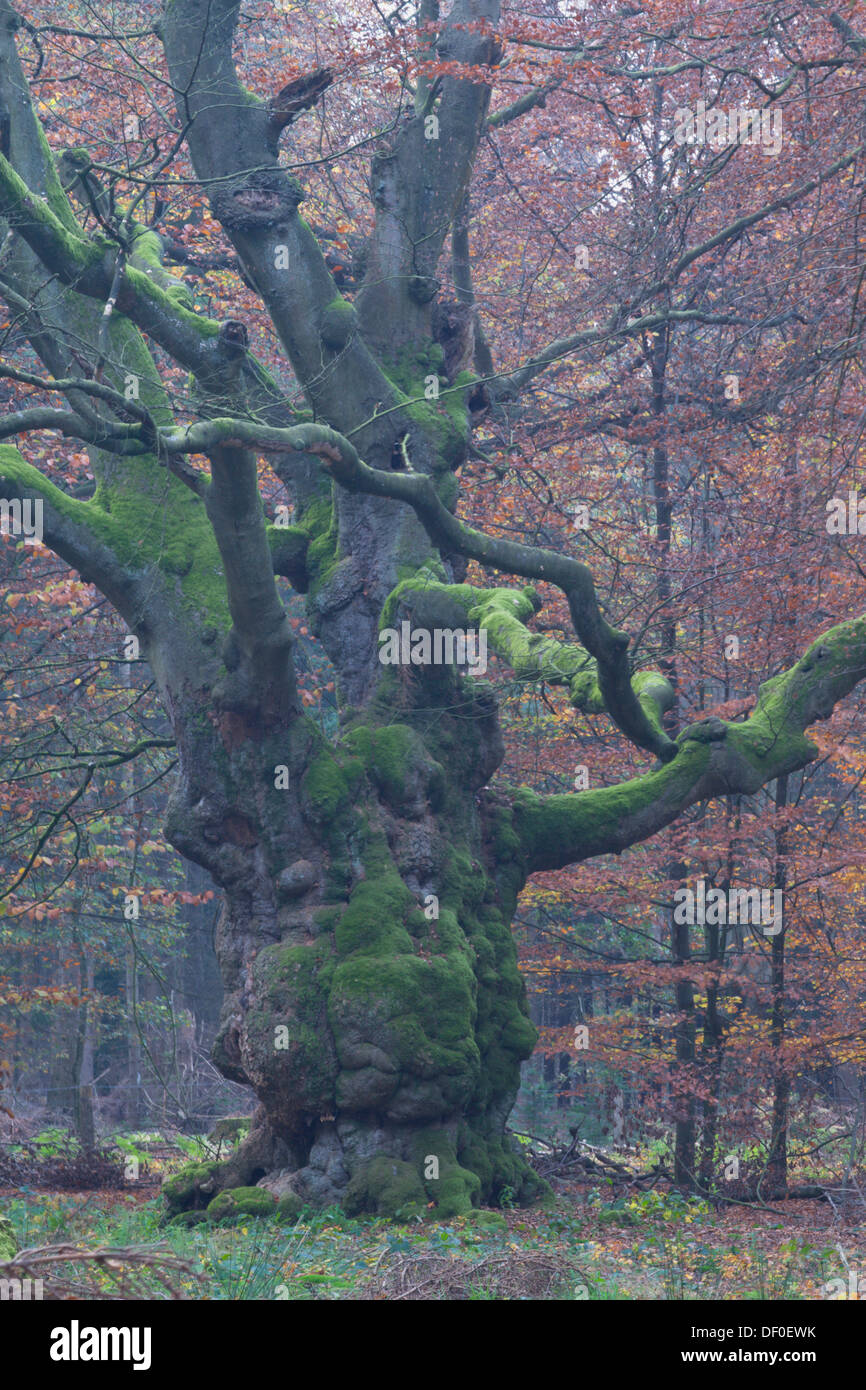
(684, 1099)
(684, 1032)
(132, 1108)
(84, 1117)
(777, 1161)
(713, 1043)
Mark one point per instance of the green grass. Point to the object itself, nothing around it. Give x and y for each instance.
(648, 1246)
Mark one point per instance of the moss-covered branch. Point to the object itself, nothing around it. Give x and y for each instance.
(157, 304)
(637, 708)
(635, 703)
(152, 543)
(638, 713)
(88, 265)
(79, 532)
(504, 614)
(713, 758)
(259, 653)
(119, 439)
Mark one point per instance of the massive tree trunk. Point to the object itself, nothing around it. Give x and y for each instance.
(372, 993)
(372, 996)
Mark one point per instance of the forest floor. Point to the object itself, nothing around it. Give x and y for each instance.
(589, 1245)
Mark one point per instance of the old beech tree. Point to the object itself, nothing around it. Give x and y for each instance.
(377, 1035)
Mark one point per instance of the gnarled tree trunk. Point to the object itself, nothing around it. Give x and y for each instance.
(372, 993)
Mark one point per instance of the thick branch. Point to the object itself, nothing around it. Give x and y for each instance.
(605, 643)
(295, 97)
(148, 298)
(259, 651)
(89, 267)
(79, 532)
(713, 758)
(504, 614)
(119, 439)
(420, 179)
(257, 202)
